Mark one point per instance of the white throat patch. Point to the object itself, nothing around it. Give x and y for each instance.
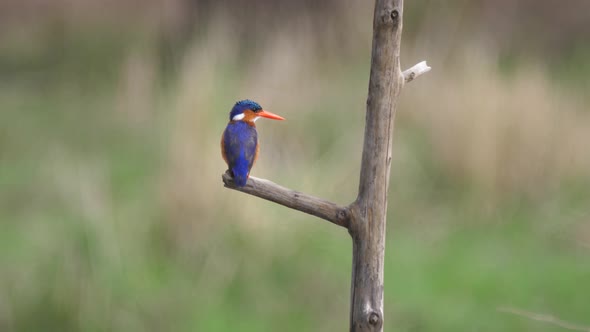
(238, 117)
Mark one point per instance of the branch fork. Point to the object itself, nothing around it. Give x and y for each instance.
(315, 206)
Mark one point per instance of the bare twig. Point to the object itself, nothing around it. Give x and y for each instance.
(415, 71)
(293, 199)
(545, 318)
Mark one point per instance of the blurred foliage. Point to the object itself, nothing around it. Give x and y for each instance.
(114, 217)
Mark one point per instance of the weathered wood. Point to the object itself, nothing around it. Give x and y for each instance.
(365, 217)
(416, 70)
(367, 223)
(293, 199)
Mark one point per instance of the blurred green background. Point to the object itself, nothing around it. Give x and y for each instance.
(114, 216)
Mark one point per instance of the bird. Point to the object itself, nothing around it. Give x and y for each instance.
(239, 141)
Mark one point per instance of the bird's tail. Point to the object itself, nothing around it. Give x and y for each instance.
(240, 177)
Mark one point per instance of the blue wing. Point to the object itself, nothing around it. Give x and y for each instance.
(240, 142)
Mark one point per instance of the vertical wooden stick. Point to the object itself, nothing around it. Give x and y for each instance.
(368, 213)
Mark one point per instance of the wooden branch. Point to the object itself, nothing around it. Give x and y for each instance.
(368, 213)
(315, 206)
(415, 71)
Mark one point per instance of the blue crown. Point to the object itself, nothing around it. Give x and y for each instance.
(243, 105)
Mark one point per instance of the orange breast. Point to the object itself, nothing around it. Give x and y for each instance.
(223, 149)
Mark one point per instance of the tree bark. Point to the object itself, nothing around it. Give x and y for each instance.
(369, 212)
(365, 217)
(271, 191)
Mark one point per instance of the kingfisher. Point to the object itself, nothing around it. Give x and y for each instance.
(239, 142)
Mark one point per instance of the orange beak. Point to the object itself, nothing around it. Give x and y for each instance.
(269, 115)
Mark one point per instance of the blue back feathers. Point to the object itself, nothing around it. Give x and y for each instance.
(240, 142)
(243, 105)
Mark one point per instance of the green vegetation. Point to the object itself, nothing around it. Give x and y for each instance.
(114, 217)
